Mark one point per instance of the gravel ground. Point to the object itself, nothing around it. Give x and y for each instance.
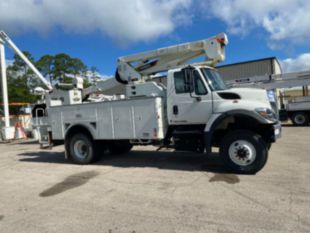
(148, 191)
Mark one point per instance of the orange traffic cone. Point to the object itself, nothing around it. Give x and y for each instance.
(19, 131)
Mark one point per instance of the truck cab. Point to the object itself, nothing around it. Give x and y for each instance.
(203, 113)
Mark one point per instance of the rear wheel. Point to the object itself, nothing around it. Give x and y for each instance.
(244, 151)
(300, 119)
(81, 149)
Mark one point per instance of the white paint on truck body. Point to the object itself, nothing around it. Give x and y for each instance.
(123, 119)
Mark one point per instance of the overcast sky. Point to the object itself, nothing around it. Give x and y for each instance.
(99, 31)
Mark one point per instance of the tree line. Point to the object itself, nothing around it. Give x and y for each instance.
(58, 68)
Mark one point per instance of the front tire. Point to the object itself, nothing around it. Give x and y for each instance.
(81, 149)
(300, 119)
(244, 151)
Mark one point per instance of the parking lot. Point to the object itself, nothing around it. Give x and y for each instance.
(149, 191)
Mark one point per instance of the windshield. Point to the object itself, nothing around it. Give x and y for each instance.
(214, 79)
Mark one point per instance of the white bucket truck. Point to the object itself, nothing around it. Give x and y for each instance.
(195, 111)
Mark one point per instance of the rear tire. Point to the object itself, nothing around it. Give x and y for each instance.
(81, 149)
(119, 147)
(300, 119)
(244, 151)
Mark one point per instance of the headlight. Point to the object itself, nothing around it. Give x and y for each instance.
(266, 113)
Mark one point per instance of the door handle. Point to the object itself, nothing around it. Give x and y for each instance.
(175, 110)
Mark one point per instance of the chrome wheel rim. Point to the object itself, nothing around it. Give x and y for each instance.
(81, 149)
(242, 152)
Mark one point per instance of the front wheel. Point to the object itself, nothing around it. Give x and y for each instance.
(244, 151)
(300, 119)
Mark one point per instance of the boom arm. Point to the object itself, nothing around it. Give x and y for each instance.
(5, 38)
(139, 67)
(287, 80)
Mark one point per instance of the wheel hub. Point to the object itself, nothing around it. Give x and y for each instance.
(242, 152)
(80, 149)
(300, 119)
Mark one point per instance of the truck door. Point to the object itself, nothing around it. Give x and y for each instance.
(188, 104)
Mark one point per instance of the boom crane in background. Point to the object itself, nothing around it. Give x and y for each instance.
(5, 39)
(269, 82)
(298, 108)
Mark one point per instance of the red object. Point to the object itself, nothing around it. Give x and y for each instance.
(221, 41)
(20, 131)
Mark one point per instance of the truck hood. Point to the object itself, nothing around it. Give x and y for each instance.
(245, 99)
(244, 94)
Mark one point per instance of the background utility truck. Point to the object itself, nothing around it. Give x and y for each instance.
(193, 112)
